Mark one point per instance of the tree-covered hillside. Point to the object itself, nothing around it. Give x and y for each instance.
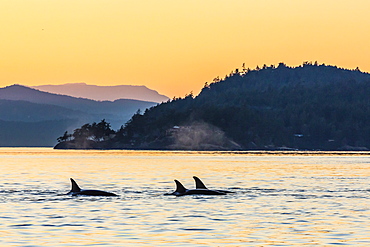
(306, 107)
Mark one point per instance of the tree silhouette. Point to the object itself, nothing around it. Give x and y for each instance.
(64, 137)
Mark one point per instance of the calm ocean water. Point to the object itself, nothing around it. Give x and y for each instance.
(280, 200)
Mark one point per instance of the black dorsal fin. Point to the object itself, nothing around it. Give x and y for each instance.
(179, 187)
(199, 184)
(75, 187)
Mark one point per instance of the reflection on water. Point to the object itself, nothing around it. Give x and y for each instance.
(281, 199)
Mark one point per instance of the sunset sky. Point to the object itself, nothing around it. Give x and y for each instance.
(174, 46)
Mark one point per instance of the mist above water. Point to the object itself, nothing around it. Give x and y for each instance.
(201, 136)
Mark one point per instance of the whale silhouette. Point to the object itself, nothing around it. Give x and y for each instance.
(182, 191)
(76, 190)
(200, 185)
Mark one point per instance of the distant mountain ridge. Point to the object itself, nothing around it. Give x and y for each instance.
(104, 93)
(23, 93)
(27, 113)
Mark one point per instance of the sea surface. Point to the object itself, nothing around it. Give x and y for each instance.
(280, 199)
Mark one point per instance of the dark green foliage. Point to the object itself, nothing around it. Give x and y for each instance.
(65, 137)
(89, 135)
(307, 107)
(96, 132)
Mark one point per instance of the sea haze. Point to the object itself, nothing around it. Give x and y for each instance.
(30, 117)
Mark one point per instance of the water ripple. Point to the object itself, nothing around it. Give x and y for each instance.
(279, 201)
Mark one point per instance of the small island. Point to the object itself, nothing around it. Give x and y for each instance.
(309, 107)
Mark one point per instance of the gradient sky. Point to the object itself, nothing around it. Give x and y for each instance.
(174, 46)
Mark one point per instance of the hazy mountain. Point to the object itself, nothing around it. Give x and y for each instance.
(32, 134)
(45, 115)
(25, 111)
(102, 93)
(123, 107)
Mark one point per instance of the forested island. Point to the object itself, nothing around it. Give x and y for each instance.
(308, 107)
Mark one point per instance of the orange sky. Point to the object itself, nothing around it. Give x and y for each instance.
(174, 46)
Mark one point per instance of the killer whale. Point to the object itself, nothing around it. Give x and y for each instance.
(76, 190)
(182, 191)
(200, 185)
